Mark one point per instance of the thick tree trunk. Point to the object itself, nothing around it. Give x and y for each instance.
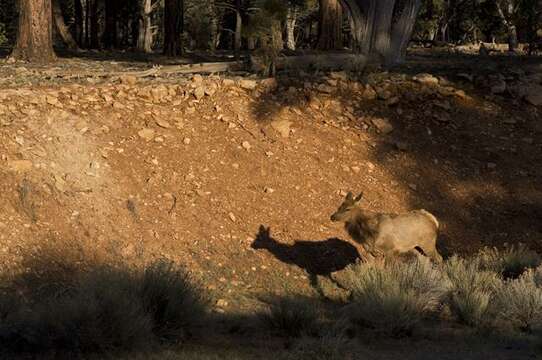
(290, 28)
(110, 36)
(78, 25)
(330, 27)
(35, 32)
(61, 27)
(402, 30)
(383, 27)
(173, 27)
(506, 17)
(146, 36)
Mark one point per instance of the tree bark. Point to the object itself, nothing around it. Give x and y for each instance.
(78, 24)
(61, 27)
(110, 36)
(94, 25)
(290, 28)
(402, 30)
(146, 36)
(35, 32)
(330, 26)
(173, 27)
(383, 28)
(238, 29)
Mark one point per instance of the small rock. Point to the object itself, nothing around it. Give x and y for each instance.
(199, 92)
(20, 165)
(232, 217)
(269, 84)
(282, 126)
(147, 134)
(128, 79)
(186, 141)
(221, 303)
(383, 125)
(426, 79)
(247, 84)
(269, 190)
(370, 93)
(246, 145)
(534, 98)
(163, 123)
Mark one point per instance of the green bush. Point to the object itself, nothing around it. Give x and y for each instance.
(395, 297)
(510, 262)
(518, 302)
(290, 316)
(471, 290)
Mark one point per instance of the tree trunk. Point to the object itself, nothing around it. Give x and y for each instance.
(290, 28)
(94, 25)
(330, 26)
(35, 32)
(78, 25)
(238, 29)
(110, 36)
(511, 29)
(173, 27)
(146, 36)
(61, 27)
(383, 28)
(402, 30)
(87, 23)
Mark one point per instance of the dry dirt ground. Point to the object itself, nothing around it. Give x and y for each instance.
(198, 170)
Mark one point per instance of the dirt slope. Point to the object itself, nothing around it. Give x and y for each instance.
(191, 169)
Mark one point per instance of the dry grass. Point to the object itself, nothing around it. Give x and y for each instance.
(510, 262)
(395, 297)
(471, 292)
(98, 309)
(290, 316)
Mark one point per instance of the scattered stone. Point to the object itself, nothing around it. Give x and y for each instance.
(247, 84)
(128, 80)
(186, 141)
(221, 303)
(282, 126)
(163, 123)
(246, 145)
(382, 125)
(426, 79)
(147, 134)
(232, 217)
(20, 165)
(356, 169)
(268, 190)
(199, 92)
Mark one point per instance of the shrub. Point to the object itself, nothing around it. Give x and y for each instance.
(510, 262)
(393, 298)
(471, 291)
(169, 296)
(519, 302)
(103, 309)
(290, 316)
(327, 347)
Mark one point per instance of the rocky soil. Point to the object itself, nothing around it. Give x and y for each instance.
(197, 169)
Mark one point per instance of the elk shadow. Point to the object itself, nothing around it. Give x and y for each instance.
(317, 258)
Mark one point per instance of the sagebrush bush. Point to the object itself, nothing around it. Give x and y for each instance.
(394, 297)
(168, 294)
(510, 262)
(290, 316)
(102, 309)
(518, 302)
(471, 290)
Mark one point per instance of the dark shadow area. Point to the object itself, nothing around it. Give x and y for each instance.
(471, 157)
(315, 257)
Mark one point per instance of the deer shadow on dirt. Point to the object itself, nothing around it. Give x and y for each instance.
(317, 258)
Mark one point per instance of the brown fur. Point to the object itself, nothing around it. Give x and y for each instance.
(390, 234)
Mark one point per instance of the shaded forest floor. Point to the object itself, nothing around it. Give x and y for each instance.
(191, 168)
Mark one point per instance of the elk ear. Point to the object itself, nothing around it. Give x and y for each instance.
(358, 198)
(349, 196)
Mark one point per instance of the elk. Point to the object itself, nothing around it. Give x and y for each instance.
(389, 234)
